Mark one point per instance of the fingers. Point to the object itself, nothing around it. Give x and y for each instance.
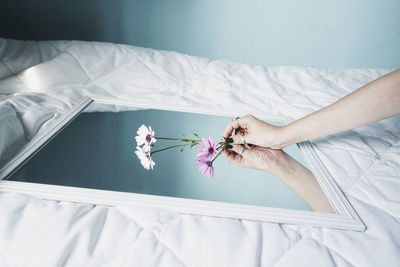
(236, 154)
(232, 125)
(236, 124)
(240, 125)
(237, 138)
(229, 155)
(232, 156)
(239, 149)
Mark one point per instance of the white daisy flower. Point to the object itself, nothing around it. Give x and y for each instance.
(144, 155)
(145, 136)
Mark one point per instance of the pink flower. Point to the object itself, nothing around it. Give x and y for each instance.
(207, 148)
(206, 168)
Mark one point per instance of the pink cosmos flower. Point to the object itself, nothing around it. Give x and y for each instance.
(206, 168)
(207, 148)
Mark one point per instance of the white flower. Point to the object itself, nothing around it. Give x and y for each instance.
(144, 155)
(145, 136)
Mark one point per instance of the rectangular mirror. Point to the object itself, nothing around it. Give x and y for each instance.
(89, 156)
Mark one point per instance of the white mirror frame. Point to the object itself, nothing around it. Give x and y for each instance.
(346, 218)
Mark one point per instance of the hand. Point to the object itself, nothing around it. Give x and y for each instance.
(256, 132)
(258, 158)
(288, 170)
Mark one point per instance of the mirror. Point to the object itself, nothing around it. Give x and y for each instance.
(96, 150)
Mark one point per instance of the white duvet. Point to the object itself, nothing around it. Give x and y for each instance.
(40, 80)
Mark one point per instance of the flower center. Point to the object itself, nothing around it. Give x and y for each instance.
(210, 150)
(209, 163)
(148, 138)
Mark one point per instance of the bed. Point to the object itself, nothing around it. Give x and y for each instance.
(41, 80)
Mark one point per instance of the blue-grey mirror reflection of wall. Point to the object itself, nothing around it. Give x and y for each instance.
(96, 150)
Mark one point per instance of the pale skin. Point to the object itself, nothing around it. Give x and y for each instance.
(289, 171)
(373, 102)
(378, 100)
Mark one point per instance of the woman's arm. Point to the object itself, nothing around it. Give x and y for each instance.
(375, 101)
(287, 169)
(303, 183)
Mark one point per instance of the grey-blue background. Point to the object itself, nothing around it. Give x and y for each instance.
(327, 34)
(97, 151)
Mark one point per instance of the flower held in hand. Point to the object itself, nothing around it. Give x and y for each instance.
(206, 168)
(207, 148)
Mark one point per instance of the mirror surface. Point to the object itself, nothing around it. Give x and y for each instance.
(97, 150)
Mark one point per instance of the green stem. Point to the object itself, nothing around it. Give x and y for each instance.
(196, 142)
(167, 148)
(183, 139)
(216, 156)
(178, 139)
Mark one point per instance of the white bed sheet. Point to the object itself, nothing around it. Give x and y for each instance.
(40, 80)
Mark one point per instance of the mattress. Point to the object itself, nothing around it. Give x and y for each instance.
(41, 80)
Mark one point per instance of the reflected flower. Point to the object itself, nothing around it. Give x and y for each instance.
(207, 148)
(206, 168)
(144, 155)
(145, 136)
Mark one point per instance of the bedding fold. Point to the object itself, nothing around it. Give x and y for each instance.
(41, 80)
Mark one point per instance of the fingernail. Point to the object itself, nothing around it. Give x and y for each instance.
(229, 146)
(229, 140)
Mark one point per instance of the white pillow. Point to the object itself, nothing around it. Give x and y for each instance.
(12, 136)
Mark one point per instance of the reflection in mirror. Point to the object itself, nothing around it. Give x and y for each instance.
(97, 150)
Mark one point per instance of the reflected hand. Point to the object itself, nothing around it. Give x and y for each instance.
(256, 157)
(256, 132)
(288, 170)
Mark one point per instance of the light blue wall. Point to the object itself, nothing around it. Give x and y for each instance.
(361, 33)
(327, 34)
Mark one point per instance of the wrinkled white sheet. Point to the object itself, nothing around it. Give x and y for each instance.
(40, 80)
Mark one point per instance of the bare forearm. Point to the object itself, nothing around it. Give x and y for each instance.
(375, 101)
(303, 183)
